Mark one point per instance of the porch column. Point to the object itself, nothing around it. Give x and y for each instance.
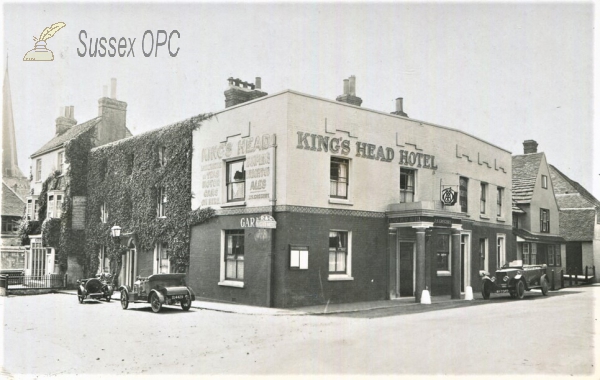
(392, 275)
(455, 260)
(420, 263)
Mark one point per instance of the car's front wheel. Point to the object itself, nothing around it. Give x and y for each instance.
(520, 290)
(124, 299)
(186, 303)
(485, 291)
(80, 296)
(545, 286)
(155, 302)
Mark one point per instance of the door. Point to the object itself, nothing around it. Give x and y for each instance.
(574, 260)
(406, 269)
(128, 267)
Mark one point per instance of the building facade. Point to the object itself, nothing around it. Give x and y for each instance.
(320, 201)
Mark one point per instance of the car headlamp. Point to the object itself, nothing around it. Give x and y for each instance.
(505, 279)
(493, 278)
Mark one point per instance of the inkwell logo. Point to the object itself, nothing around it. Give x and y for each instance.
(40, 52)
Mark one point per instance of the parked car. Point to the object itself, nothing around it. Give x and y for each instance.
(95, 288)
(159, 289)
(515, 278)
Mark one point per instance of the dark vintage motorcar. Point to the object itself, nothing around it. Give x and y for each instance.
(159, 289)
(515, 278)
(95, 288)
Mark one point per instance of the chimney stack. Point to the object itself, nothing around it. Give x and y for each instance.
(241, 92)
(529, 146)
(113, 88)
(399, 108)
(349, 95)
(65, 120)
(113, 113)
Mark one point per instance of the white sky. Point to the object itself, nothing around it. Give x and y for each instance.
(502, 72)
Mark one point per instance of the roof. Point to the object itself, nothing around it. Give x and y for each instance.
(544, 238)
(58, 140)
(569, 193)
(525, 169)
(516, 209)
(12, 205)
(577, 224)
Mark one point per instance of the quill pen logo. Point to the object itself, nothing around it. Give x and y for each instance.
(40, 52)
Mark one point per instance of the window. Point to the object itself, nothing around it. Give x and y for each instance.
(550, 255)
(544, 220)
(161, 202)
(515, 221)
(61, 161)
(104, 213)
(500, 194)
(557, 260)
(54, 205)
(442, 247)
(407, 185)
(500, 250)
(339, 253)
(10, 224)
(50, 207)
(483, 198)
(526, 253)
(234, 255)
(163, 262)
(463, 194)
(236, 181)
(103, 260)
(339, 178)
(38, 169)
(298, 257)
(162, 156)
(32, 208)
(483, 254)
(544, 181)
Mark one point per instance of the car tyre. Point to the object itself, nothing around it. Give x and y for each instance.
(545, 287)
(485, 291)
(108, 298)
(520, 290)
(80, 296)
(155, 302)
(186, 303)
(124, 299)
(513, 294)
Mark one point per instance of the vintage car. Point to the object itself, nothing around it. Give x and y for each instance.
(515, 278)
(159, 289)
(95, 288)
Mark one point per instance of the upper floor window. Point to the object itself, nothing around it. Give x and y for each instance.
(162, 155)
(483, 198)
(236, 181)
(10, 224)
(544, 220)
(38, 169)
(463, 194)
(234, 255)
(32, 208)
(54, 205)
(163, 264)
(544, 181)
(104, 212)
(407, 185)
(60, 164)
(515, 221)
(499, 196)
(161, 202)
(338, 175)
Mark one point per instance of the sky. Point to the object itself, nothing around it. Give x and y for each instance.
(504, 72)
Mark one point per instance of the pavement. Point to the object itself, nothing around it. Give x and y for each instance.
(408, 303)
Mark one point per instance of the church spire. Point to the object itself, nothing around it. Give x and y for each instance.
(10, 165)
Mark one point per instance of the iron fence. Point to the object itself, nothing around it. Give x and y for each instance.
(49, 281)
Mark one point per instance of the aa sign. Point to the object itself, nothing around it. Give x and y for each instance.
(448, 196)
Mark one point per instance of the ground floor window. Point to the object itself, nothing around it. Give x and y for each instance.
(483, 254)
(338, 251)
(234, 255)
(163, 264)
(501, 250)
(442, 246)
(103, 260)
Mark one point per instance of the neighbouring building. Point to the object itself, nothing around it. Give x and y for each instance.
(535, 212)
(320, 201)
(579, 224)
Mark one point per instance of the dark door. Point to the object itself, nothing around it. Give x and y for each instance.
(406, 270)
(574, 262)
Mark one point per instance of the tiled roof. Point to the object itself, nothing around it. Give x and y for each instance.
(577, 225)
(525, 170)
(516, 209)
(12, 205)
(58, 140)
(578, 197)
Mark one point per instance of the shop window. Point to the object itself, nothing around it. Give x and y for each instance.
(103, 260)
(550, 255)
(442, 248)
(464, 194)
(236, 181)
(544, 220)
(61, 162)
(162, 258)
(104, 212)
(340, 255)
(38, 169)
(500, 250)
(557, 258)
(526, 253)
(162, 156)
(407, 185)
(298, 257)
(544, 181)
(483, 198)
(161, 202)
(339, 178)
(234, 255)
(483, 254)
(499, 200)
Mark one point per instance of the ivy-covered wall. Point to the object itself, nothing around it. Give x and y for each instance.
(126, 176)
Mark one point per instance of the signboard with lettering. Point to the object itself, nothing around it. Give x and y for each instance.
(263, 221)
(78, 215)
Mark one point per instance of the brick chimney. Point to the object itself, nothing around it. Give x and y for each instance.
(113, 112)
(349, 95)
(529, 146)
(241, 92)
(66, 119)
(399, 109)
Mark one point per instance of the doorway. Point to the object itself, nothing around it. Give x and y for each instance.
(406, 269)
(574, 259)
(128, 266)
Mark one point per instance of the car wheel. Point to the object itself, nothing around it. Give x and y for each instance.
(485, 292)
(513, 294)
(108, 298)
(545, 287)
(520, 290)
(124, 299)
(186, 303)
(155, 302)
(80, 296)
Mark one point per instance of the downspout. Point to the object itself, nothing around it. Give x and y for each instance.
(273, 231)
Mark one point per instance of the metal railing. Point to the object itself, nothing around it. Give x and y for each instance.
(49, 281)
